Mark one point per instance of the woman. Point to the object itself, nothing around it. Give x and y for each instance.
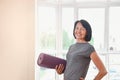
(80, 54)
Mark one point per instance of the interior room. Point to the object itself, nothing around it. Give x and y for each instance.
(54, 33)
(30, 27)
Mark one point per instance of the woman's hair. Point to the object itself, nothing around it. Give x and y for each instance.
(87, 26)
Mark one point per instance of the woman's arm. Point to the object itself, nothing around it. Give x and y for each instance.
(99, 64)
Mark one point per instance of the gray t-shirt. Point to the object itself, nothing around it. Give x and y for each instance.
(78, 59)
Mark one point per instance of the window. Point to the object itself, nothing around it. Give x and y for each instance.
(95, 16)
(114, 66)
(114, 37)
(67, 27)
(46, 39)
(54, 32)
(114, 43)
(46, 23)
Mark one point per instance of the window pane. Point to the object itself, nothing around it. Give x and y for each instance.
(114, 59)
(114, 72)
(95, 16)
(45, 40)
(114, 66)
(46, 23)
(114, 37)
(67, 27)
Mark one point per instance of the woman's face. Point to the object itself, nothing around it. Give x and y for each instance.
(80, 32)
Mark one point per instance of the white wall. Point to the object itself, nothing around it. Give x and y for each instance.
(17, 39)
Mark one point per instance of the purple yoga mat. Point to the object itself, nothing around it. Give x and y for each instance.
(49, 61)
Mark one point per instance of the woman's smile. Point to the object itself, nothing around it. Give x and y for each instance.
(80, 31)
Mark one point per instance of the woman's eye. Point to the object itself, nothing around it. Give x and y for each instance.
(77, 28)
(82, 29)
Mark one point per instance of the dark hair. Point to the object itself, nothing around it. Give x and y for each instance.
(87, 26)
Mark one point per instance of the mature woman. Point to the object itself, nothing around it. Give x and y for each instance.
(80, 54)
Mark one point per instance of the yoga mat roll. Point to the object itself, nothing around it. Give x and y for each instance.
(49, 61)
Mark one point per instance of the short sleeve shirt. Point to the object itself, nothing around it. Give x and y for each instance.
(78, 59)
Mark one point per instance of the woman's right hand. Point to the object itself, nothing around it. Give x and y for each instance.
(59, 68)
(81, 78)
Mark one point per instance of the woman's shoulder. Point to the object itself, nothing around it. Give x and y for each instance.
(90, 45)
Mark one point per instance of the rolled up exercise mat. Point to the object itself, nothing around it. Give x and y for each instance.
(49, 61)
